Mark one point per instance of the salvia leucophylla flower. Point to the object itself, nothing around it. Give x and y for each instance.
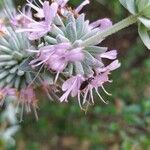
(28, 101)
(38, 29)
(55, 58)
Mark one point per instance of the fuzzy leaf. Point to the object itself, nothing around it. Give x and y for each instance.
(70, 18)
(143, 32)
(87, 69)
(145, 21)
(71, 32)
(24, 66)
(96, 50)
(78, 68)
(61, 39)
(58, 21)
(80, 24)
(55, 30)
(89, 59)
(50, 40)
(130, 5)
(69, 70)
(85, 29)
(90, 34)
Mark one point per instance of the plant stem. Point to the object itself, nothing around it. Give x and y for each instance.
(109, 31)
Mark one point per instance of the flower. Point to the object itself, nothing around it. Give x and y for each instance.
(62, 3)
(109, 55)
(19, 20)
(50, 89)
(72, 86)
(98, 81)
(36, 29)
(28, 101)
(95, 83)
(5, 92)
(101, 24)
(56, 57)
(79, 8)
(111, 67)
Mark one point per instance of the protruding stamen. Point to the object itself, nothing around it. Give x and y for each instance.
(100, 96)
(106, 91)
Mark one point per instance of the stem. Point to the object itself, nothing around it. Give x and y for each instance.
(109, 31)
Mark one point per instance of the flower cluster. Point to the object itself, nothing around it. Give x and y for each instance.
(43, 48)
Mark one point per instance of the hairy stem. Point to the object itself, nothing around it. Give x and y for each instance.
(109, 31)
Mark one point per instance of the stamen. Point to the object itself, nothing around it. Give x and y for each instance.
(33, 6)
(41, 2)
(35, 113)
(36, 3)
(56, 78)
(36, 76)
(100, 96)
(79, 101)
(30, 19)
(85, 95)
(106, 91)
(21, 114)
(91, 94)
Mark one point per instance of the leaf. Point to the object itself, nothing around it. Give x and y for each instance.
(89, 59)
(123, 2)
(145, 21)
(71, 32)
(24, 66)
(80, 24)
(61, 39)
(131, 6)
(143, 32)
(55, 30)
(70, 18)
(50, 40)
(96, 49)
(78, 68)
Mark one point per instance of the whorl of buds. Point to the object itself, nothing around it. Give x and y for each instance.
(12, 55)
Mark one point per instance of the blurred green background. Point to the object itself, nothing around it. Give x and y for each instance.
(123, 124)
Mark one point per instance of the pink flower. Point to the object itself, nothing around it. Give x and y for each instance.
(94, 84)
(72, 86)
(109, 55)
(39, 11)
(80, 7)
(99, 80)
(101, 24)
(36, 29)
(19, 20)
(50, 90)
(4, 92)
(111, 67)
(62, 3)
(28, 100)
(59, 60)
(56, 57)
